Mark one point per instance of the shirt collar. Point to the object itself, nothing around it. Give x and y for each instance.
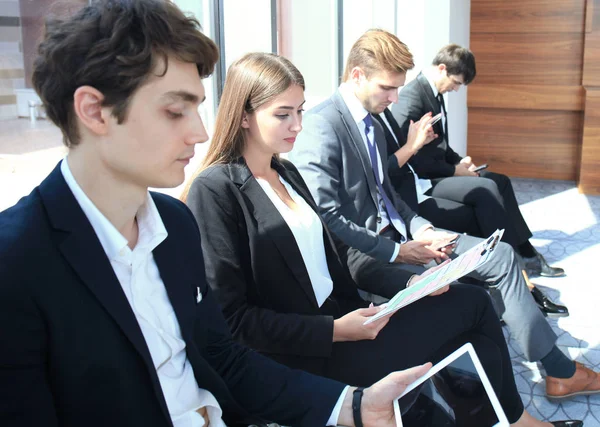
(151, 228)
(429, 75)
(356, 108)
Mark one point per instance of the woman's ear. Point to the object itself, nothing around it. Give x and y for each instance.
(245, 121)
(87, 103)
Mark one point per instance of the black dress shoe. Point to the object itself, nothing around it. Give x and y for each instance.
(538, 266)
(548, 307)
(567, 423)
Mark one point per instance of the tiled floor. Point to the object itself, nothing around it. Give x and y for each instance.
(566, 227)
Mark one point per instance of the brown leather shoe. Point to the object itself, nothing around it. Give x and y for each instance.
(584, 381)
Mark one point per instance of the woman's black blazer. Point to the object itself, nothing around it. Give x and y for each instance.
(255, 267)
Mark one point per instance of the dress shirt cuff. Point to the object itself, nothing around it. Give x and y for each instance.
(422, 229)
(395, 254)
(335, 414)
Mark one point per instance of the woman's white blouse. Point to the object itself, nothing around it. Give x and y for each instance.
(308, 232)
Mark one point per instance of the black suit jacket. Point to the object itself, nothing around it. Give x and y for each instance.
(257, 271)
(72, 352)
(436, 159)
(403, 179)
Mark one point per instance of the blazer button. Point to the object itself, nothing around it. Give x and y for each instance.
(378, 220)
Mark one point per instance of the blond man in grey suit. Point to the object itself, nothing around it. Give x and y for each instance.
(341, 154)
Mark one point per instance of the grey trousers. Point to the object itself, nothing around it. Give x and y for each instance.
(502, 275)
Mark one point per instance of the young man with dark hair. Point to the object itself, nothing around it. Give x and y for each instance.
(106, 315)
(341, 155)
(447, 175)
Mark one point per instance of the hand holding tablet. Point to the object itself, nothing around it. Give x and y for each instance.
(455, 392)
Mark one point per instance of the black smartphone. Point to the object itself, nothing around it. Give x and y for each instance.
(480, 168)
(449, 243)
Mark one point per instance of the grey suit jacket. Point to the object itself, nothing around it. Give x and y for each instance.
(333, 160)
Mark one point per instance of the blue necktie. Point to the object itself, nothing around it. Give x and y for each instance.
(393, 214)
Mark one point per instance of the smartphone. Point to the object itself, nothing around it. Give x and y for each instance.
(449, 243)
(480, 168)
(436, 119)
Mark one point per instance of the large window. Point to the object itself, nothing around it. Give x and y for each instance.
(315, 35)
(310, 40)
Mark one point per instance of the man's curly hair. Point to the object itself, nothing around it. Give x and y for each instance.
(113, 46)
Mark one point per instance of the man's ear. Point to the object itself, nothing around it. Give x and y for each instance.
(357, 74)
(245, 121)
(87, 103)
(441, 68)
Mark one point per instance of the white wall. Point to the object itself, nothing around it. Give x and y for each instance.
(247, 28)
(460, 30)
(362, 15)
(427, 25)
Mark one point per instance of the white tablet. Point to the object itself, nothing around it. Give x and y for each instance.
(454, 393)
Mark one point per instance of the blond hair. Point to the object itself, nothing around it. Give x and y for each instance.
(252, 80)
(378, 50)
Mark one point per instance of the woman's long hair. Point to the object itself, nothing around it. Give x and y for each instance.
(252, 81)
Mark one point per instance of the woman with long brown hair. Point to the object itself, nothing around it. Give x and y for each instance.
(280, 275)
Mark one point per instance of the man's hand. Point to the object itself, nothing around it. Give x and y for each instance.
(462, 169)
(376, 408)
(350, 327)
(418, 252)
(440, 240)
(467, 161)
(420, 133)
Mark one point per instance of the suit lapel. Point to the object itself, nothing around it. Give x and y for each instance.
(176, 275)
(356, 142)
(300, 189)
(434, 105)
(334, 261)
(84, 253)
(394, 125)
(272, 223)
(381, 147)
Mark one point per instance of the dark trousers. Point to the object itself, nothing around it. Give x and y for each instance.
(492, 199)
(427, 331)
(451, 215)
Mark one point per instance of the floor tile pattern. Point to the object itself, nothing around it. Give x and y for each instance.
(566, 230)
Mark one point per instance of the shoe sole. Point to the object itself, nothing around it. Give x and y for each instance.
(553, 315)
(551, 275)
(567, 396)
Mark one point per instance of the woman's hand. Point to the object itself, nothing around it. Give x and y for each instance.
(350, 327)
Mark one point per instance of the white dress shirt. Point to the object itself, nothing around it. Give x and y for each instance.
(358, 113)
(421, 185)
(140, 279)
(308, 233)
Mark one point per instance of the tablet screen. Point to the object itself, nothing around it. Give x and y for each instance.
(454, 396)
